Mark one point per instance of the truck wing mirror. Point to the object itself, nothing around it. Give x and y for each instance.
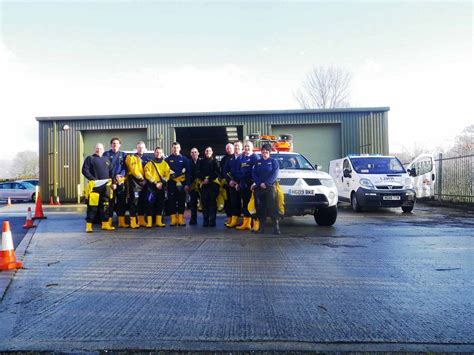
(347, 173)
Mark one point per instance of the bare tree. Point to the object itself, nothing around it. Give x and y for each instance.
(464, 142)
(25, 165)
(325, 87)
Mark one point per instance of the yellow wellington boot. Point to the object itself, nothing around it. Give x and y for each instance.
(141, 221)
(110, 222)
(227, 221)
(88, 227)
(121, 222)
(158, 221)
(133, 223)
(149, 222)
(181, 220)
(245, 224)
(174, 220)
(256, 225)
(107, 227)
(234, 220)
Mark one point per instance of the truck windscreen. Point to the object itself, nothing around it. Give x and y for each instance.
(377, 165)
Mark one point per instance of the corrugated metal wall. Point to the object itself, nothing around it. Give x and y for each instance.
(362, 132)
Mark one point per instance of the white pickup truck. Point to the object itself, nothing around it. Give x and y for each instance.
(306, 190)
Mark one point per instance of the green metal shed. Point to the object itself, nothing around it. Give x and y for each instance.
(320, 135)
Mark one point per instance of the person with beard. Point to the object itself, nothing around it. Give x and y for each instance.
(208, 171)
(157, 174)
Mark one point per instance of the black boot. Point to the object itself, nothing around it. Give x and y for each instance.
(205, 221)
(261, 226)
(276, 226)
(193, 220)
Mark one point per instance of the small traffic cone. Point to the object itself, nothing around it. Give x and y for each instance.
(29, 221)
(51, 202)
(9, 202)
(39, 208)
(7, 252)
(57, 201)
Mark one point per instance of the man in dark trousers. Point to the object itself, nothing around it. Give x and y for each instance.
(231, 174)
(96, 169)
(118, 172)
(208, 171)
(194, 188)
(229, 150)
(178, 184)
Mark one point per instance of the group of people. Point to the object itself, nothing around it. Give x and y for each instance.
(159, 186)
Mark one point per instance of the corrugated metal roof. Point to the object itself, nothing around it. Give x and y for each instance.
(229, 113)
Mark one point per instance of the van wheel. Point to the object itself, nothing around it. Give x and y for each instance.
(33, 197)
(326, 216)
(408, 209)
(354, 203)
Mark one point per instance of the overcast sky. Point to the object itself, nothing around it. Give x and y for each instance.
(109, 57)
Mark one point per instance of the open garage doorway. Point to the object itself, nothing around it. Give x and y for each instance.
(202, 137)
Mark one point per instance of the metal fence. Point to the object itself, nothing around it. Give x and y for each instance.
(455, 179)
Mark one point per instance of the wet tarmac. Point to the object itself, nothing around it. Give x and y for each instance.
(375, 281)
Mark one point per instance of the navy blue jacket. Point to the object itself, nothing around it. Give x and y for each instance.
(265, 171)
(177, 163)
(96, 168)
(117, 163)
(245, 174)
(232, 168)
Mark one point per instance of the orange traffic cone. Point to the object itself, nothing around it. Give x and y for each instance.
(57, 201)
(29, 221)
(7, 252)
(9, 202)
(39, 208)
(51, 202)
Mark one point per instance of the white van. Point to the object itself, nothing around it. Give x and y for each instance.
(422, 171)
(373, 181)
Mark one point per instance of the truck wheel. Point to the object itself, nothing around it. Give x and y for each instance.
(326, 216)
(354, 203)
(408, 209)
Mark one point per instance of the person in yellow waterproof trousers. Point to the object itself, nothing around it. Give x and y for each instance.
(247, 161)
(137, 185)
(265, 174)
(178, 185)
(99, 191)
(157, 174)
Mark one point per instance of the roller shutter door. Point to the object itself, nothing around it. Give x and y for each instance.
(319, 143)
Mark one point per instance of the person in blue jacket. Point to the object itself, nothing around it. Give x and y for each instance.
(178, 185)
(118, 171)
(247, 160)
(231, 175)
(265, 173)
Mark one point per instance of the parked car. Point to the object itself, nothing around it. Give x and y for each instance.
(34, 182)
(17, 190)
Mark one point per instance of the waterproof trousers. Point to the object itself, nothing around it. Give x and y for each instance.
(177, 198)
(209, 202)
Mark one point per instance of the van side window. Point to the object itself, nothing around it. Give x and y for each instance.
(423, 166)
(346, 165)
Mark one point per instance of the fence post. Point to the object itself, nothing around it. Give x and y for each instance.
(440, 176)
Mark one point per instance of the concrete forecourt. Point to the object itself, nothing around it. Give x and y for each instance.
(375, 281)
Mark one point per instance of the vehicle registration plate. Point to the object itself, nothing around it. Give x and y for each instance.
(301, 192)
(392, 198)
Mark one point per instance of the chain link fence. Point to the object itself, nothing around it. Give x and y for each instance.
(455, 179)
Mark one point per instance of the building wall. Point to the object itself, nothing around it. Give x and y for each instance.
(362, 131)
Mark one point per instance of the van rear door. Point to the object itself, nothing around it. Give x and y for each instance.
(422, 171)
